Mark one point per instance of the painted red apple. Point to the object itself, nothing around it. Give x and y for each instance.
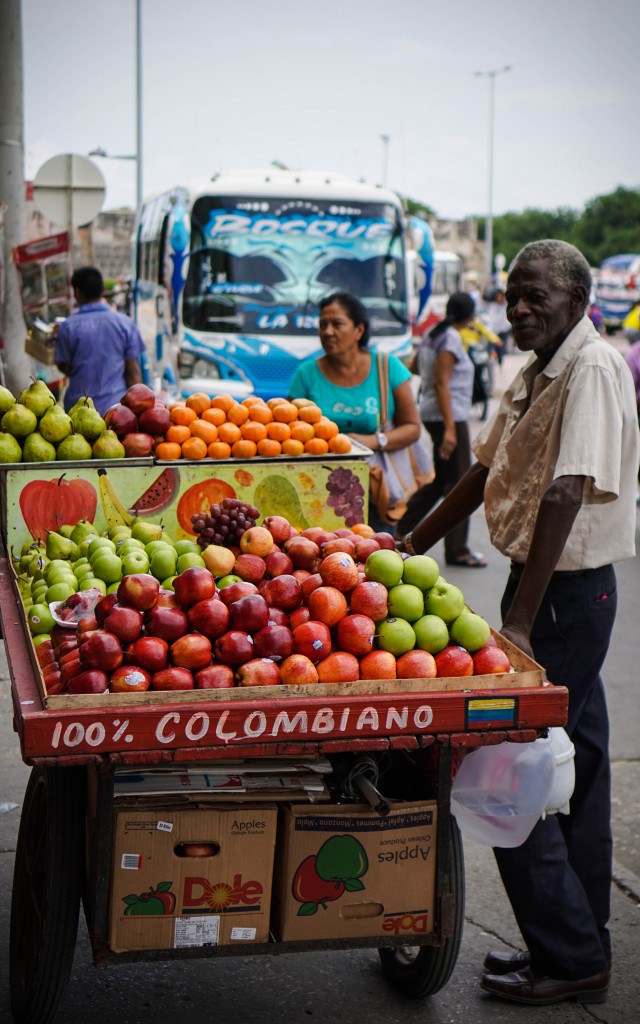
(215, 677)
(140, 590)
(249, 613)
(250, 568)
(378, 665)
(193, 585)
(169, 623)
(339, 570)
(150, 652)
(138, 398)
(258, 672)
(137, 445)
(172, 678)
(91, 681)
(283, 592)
(370, 598)
(234, 648)
(129, 679)
(210, 617)
(121, 420)
(102, 650)
(355, 634)
(124, 622)
(454, 661)
(328, 605)
(490, 660)
(417, 664)
(339, 667)
(312, 639)
(275, 642)
(309, 888)
(298, 670)
(302, 551)
(192, 651)
(278, 564)
(278, 527)
(237, 590)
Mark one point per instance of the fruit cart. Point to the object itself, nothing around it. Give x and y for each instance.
(76, 746)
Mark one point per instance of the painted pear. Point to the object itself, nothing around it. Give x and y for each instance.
(36, 449)
(6, 399)
(55, 425)
(37, 398)
(108, 446)
(87, 421)
(10, 450)
(60, 547)
(19, 420)
(73, 448)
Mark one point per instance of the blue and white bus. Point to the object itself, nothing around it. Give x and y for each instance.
(228, 275)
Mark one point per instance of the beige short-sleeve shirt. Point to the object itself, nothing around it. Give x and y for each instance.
(576, 416)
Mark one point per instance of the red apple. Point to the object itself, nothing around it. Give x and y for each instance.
(193, 585)
(328, 605)
(234, 648)
(70, 671)
(124, 622)
(355, 634)
(283, 592)
(344, 531)
(140, 590)
(155, 421)
(277, 617)
(104, 606)
(339, 570)
(237, 590)
(370, 598)
(385, 540)
(298, 616)
(258, 672)
(298, 670)
(256, 540)
(214, 677)
(249, 613)
(82, 639)
(365, 547)
(302, 551)
(45, 657)
(150, 652)
(339, 667)
(278, 563)
(417, 664)
(72, 654)
(138, 398)
(317, 534)
(250, 568)
(102, 650)
(166, 598)
(53, 682)
(90, 681)
(454, 661)
(338, 544)
(312, 639)
(192, 651)
(490, 660)
(302, 574)
(121, 420)
(378, 665)
(129, 679)
(278, 527)
(85, 624)
(173, 678)
(210, 617)
(167, 622)
(275, 642)
(138, 445)
(311, 583)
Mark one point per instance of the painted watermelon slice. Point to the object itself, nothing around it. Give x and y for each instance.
(159, 494)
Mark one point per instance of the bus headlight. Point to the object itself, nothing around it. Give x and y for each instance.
(203, 368)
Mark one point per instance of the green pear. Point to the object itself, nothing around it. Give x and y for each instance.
(37, 398)
(19, 421)
(146, 532)
(36, 449)
(84, 402)
(88, 422)
(6, 399)
(66, 530)
(10, 450)
(84, 528)
(55, 425)
(61, 547)
(108, 446)
(73, 448)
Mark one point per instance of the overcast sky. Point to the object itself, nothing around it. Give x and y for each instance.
(315, 83)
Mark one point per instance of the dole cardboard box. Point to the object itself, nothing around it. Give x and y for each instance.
(344, 871)
(166, 894)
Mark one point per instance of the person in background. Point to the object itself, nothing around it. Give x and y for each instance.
(96, 348)
(494, 315)
(446, 375)
(632, 359)
(343, 382)
(556, 470)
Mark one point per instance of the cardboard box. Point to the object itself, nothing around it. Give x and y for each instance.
(163, 899)
(343, 871)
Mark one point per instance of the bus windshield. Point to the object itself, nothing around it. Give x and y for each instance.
(263, 264)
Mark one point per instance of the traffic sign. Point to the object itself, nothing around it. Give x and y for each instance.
(69, 190)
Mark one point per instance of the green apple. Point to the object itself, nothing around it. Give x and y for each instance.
(168, 583)
(421, 571)
(83, 546)
(91, 583)
(185, 546)
(83, 572)
(432, 634)
(444, 599)
(188, 560)
(129, 544)
(384, 566)
(98, 543)
(158, 545)
(40, 638)
(395, 635)
(38, 592)
(107, 567)
(405, 602)
(226, 581)
(60, 591)
(119, 532)
(113, 587)
(163, 562)
(83, 560)
(134, 562)
(470, 631)
(40, 619)
(60, 576)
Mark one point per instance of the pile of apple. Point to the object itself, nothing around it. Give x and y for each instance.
(137, 421)
(282, 608)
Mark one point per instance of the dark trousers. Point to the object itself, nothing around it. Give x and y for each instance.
(559, 880)
(447, 474)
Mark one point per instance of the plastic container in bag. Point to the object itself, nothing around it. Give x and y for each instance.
(564, 777)
(500, 791)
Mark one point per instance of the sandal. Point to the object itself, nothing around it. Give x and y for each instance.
(472, 560)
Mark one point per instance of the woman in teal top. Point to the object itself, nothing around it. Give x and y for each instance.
(344, 381)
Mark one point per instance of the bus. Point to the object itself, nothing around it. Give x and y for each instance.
(228, 274)
(447, 274)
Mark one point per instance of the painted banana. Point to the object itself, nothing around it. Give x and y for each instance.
(114, 511)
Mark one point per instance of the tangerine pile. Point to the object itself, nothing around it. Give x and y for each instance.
(222, 428)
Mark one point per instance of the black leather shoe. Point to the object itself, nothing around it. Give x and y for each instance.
(537, 990)
(498, 962)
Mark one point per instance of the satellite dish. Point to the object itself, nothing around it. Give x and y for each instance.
(69, 190)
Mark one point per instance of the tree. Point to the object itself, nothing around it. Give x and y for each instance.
(610, 224)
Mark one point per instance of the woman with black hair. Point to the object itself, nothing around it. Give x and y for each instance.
(446, 374)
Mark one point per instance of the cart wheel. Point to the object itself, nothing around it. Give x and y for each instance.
(423, 970)
(47, 886)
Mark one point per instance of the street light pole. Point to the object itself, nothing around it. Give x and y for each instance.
(139, 192)
(385, 158)
(488, 256)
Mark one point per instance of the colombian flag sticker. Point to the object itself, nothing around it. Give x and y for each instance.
(488, 712)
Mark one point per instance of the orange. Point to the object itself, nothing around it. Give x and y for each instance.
(301, 431)
(285, 412)
(316, 446)
(299, 402)
(251, 400)
(181, 415)
(219, 450)
(194, 448)
(340, 444)
(229, 432)
(278, 431)
(261, 412)
(238, 414)
(215, 416)
(291, 447)
(268, 447)
(253, 431)
(244, 449)
(168, 450)
(198, 402)
(271, 402)
(325, 428)
(177, 433)
(309, 413)
(222, 402)
(207, 431)
(362, 529)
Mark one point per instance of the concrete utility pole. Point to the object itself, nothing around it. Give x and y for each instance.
(12, 192)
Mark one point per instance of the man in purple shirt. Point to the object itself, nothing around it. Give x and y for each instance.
(97, 349)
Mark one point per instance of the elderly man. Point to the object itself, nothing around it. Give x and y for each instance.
(556, 470)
